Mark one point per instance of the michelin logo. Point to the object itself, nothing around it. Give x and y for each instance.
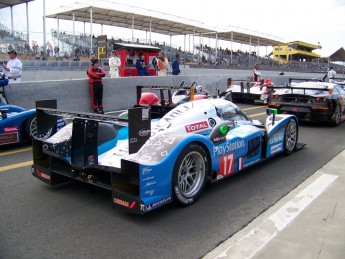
(276, 148)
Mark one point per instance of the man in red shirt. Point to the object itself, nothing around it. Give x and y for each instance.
(95, 74)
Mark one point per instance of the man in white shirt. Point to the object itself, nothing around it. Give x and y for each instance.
(114, 65)
(13, 68)
(331, 75)
(256, 73)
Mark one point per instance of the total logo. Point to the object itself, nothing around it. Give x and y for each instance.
(11, 129)
(196, 126)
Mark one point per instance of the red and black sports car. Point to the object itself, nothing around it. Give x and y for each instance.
(311, 101)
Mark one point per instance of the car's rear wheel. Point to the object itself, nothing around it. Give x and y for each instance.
(290, 137)
(190, 174)
(336, 116)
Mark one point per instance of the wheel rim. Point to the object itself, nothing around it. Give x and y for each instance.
(191, 174)
(33, 130)
(291, 136)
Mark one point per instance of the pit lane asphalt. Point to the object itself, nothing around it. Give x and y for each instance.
(74, 220)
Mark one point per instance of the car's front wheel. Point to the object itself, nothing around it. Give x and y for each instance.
(31, 129)
(190, 174)
(291, 137)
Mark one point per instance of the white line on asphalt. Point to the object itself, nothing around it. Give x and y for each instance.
(258, 237)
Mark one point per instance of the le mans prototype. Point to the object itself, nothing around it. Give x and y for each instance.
(147, 164)
(311, 101)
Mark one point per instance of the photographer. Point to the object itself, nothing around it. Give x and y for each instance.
(13, 68)
(95, 74)
(162, 64)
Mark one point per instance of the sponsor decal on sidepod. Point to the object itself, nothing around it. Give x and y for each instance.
(196, 126)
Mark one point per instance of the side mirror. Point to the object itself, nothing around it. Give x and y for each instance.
(218, 134)
(273, 112)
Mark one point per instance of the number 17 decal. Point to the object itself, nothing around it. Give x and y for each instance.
(227, 165)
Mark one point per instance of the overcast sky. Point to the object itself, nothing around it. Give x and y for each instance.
(311, 21)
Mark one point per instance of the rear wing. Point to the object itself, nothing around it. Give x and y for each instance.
(85, 130)
(166, 105)
(291, 79)
(245, 84)
(161, 90)
(292, 89)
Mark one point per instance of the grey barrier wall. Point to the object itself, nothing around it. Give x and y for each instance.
(120, 93)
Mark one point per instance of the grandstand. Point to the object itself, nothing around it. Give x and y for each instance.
(68, 46)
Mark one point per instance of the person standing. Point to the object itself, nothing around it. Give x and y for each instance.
(331, 75)
(175, 65)
(95, 74)
(141, 65)
(114, 65)
(162, 64)
(13, 68)
(256, 73)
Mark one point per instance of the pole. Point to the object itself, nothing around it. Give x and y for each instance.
(58, 31)
(132, 28)
(44, 30)
(27, 23)
(217, 48)
(90, 29)
(12, 26)
(73, 29)
(150, 29)
(232, 39)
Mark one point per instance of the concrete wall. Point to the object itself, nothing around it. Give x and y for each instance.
(120, 93)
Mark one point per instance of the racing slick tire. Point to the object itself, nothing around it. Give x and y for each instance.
(335, 120)
(190, 174)
(31, 129)
(290, 137)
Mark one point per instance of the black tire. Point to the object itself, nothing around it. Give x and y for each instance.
(31, 129)
(190, 174)
(290, 137)
(335, 120)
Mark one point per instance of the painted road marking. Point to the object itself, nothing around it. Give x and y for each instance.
(253, 108)
(15, 151)
(258, 237)
(14, 166)
(257, 114)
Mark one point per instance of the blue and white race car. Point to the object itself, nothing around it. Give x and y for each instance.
(18, 124)
(147, 164)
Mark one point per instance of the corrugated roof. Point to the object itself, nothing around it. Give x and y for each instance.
(119, 15)
(8, 3)
(339, 55)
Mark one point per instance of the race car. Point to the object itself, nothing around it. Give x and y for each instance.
(147, 164)
(248, 92)
(311, 101)
(18, 124)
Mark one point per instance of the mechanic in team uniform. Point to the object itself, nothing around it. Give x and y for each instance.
(95, 74)
(13, 68)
